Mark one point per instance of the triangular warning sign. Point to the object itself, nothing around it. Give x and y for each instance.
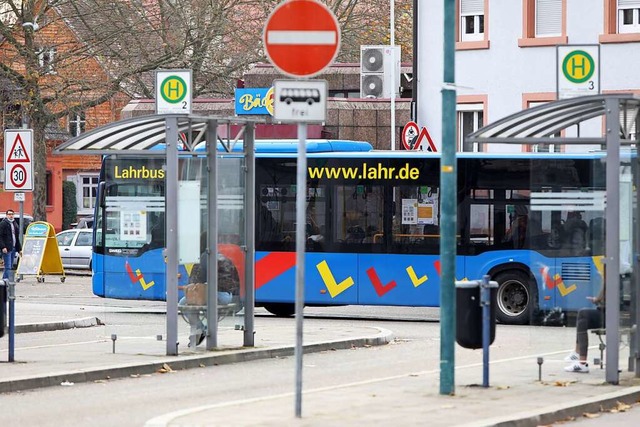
(424, 134)
(18, 152)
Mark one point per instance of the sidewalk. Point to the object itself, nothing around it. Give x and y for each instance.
(515, 397)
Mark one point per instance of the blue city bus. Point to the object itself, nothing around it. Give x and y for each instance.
(533, 222)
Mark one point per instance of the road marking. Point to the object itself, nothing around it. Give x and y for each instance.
(166, 419)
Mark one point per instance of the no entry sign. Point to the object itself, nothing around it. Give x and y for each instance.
(301, 37)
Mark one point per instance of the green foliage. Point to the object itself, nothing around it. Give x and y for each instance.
(69, 204)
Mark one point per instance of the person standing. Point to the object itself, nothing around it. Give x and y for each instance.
(9, 241)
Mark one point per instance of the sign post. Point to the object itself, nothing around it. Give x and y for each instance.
(301, 39)
(173, 92)
(578, 70)
(413, 138)
(18, 170)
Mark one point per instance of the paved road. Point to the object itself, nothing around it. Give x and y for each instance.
(622, 416)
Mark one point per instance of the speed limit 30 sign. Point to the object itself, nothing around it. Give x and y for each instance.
(18, 165)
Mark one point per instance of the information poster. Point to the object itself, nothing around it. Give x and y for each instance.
(409, 211)
(133, 225)
(31, 259)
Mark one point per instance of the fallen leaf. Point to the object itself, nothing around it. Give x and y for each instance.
(622, 407)
(503, 387)
(164, 369)
(590, 415)
(134, 376)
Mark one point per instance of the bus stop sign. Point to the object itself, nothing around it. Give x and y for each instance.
(301, 37)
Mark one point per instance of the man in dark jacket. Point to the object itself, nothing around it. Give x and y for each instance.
(9, 242)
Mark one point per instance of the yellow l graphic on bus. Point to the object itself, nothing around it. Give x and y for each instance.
(330, 282)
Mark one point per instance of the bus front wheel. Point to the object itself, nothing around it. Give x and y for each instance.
(281, 309)
(515, 298)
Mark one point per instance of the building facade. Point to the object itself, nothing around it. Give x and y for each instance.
(506, 57)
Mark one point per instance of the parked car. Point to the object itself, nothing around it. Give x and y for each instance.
(83, 223)
(28, 219)
(75, 248)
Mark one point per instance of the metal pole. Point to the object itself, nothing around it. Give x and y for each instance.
(11, 294)
(634, 312)
(392, 42)
(612, 240)
(212, 235)
(21, 228)
(301, 221)
(448, 212)
(250, 209)
(485, 300)
(171, 218)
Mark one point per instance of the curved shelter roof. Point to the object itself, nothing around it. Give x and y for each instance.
(139, 135)
(537, 125)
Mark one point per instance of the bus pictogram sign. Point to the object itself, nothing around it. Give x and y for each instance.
(301, 37)
(173, 92)
(18, 149)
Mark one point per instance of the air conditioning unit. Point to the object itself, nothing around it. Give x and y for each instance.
(377, 63)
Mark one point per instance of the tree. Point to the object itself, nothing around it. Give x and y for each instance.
(64, 57)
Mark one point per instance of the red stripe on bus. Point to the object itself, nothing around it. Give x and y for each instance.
(273, 265)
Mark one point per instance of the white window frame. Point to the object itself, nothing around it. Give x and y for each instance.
(474, 109)
(77, 123)
(471, 9)
(46, 59)
(634, 6)
(548, 18)
(89, 182)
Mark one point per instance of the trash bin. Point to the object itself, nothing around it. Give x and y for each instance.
(3, 307)
(469, 314)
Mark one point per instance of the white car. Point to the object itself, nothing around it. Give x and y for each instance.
(75, 248)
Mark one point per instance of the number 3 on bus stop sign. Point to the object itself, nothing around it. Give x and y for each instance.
(18, 149)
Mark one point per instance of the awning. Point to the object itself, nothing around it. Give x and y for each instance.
(537, 125)
(140, 135)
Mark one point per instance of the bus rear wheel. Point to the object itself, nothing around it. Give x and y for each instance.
(281, 309)
(515, 298)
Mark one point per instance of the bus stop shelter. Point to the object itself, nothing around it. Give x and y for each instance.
(171, 136)
(547, 124)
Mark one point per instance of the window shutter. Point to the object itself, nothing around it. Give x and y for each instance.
(548, 17)
(628, 126)
(472, 7)
(628, 3)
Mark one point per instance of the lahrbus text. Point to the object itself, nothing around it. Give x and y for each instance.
(137, 173)
(378, 171)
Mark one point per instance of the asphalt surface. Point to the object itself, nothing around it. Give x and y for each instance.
(47, 357)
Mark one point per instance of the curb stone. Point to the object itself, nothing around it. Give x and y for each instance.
(177, 363)
(556, 413)
(85, 322)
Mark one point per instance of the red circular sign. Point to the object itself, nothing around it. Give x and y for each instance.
(410, 136)
(301, 37)
(18, 175)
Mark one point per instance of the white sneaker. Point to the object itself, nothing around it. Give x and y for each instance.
(581, 368)
(572, 357)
